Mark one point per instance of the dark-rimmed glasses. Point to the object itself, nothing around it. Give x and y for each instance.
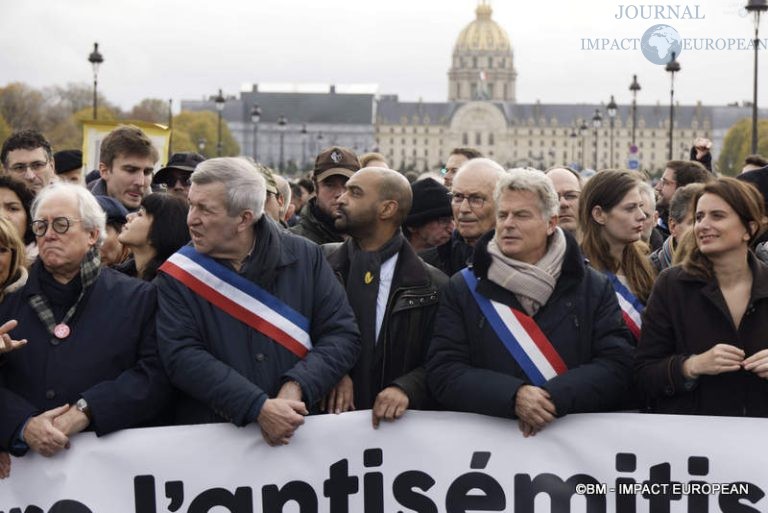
(60, 225)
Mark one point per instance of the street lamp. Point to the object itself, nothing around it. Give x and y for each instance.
(672, 67)
(597, 123)
(170, 127)
(583, 131)
(201, 144)
(756, 7)
(95, 59)
(573, 136)
(611, 108)
(281, 122)
(220, 101)
(634, 87)
(303, 144)
(255, 118)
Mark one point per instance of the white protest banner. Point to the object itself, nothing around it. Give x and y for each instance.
(427, 462)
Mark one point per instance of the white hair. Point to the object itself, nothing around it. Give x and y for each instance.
(245, 187)
(531, 180)
(91, 214)
(647, 191)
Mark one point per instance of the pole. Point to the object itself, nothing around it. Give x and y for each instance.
(671, 114)
(754, 89)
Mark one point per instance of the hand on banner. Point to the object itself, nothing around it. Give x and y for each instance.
(5, 465)
(7, 344)
(42, 436)
(534, 407)
(280, 418)
(71, 422)
(341, 398)
(390, 404)
(290, 390)
(758, 363)
(719, 359)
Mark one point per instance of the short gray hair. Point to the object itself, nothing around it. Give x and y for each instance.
(91, 214)
(531, 180)
(245, 187)
(647, 190)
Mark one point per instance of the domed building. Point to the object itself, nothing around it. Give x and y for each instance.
(483, 65)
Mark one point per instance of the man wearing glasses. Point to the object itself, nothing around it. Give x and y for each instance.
(27, 156)
(473, 211)
(678, 173)
(174, 177)
(567, 184)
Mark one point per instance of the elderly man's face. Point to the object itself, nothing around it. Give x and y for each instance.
(212, 229)
(472, 204)
(521, 230)
(62, 253)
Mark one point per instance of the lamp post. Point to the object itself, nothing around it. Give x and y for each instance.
(95, 59)
(303, 145)
(255, 118)
(220, 101)
(583, 131)
(634, 87)
(281, 122)
(756, 7)
(170, 128)
(573, 137)
(597, 123)
(201, 144)
(612, 109)
(672, 67)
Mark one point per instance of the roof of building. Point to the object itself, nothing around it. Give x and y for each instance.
(483, 34)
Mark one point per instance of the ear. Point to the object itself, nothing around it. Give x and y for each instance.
(551, 225)
(598, 215)
(388, 209)
(753, 227)
(246, 220)
(93, 236)
(103, 170)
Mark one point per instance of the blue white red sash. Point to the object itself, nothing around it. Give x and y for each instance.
(240, 298)
(520, 334)
(631, 307)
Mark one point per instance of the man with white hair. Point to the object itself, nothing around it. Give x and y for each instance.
(529, 331)
(254, 326)
(66, 378)
(473, 211)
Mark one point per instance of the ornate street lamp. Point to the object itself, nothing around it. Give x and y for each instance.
(755, 7)
(597, 123)
(612, 108)
(255, 118)
(672, 67)
(281, 122)
(634, 87)
(95, 59)
(220, 101)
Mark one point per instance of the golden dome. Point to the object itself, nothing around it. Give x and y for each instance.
(483, 34)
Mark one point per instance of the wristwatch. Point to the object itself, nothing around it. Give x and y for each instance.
(82, 406)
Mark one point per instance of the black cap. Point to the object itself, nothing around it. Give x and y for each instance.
(116, 212)
(67, 160)
(430, 201)
(185, 161)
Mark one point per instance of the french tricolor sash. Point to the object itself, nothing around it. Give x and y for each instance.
(631, 307)
(520, 334)
(240, 298)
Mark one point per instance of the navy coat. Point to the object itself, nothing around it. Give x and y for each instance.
(469, 368)
(110, 358)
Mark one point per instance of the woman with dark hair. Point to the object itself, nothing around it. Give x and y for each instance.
(703, 348)
(15, 204)
(611, 222)
(153, 233)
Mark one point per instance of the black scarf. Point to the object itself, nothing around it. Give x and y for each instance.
(362, 282)
(261, 265)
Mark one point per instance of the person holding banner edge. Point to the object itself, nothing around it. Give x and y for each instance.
(529, 331)
(252, 324)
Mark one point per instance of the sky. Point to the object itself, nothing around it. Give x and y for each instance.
(189, 49)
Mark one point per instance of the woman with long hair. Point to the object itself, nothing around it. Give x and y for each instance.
(611, 222)
(153, 233)
(15, 204)
(703, 348)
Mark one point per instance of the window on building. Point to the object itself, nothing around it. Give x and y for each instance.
(474, 62)
(465, 139)
(478, 139)
(414, 152)
(490, 62)
(490, 90)
(490, 139)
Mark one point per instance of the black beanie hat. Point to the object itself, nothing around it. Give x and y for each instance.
(430, 201)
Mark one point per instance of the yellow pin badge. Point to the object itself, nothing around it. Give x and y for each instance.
(368, 278)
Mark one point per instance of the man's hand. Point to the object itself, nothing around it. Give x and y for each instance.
(390, 404)
(341, 398)
(534, 407)
(719, 359)
(42, 436)
(71, 422)
(758, 363)
(7, 344)
(280, 418)
(290, 390)
(5, 465)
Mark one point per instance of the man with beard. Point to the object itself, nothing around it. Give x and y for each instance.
(393, 293)
(678, 173)
(473, 210)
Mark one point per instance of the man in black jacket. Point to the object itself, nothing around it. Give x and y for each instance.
(529, 331)
(393, 293)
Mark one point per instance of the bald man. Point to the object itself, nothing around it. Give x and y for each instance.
(567, 184)
(394, 296)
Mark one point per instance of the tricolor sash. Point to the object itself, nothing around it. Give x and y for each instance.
(520, 334)
(631, 307)
(240, 298)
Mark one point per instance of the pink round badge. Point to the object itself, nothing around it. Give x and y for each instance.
(61, 331)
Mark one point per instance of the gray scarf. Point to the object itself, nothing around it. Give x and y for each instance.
(531, 284)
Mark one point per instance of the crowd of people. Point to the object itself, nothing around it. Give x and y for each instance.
(218, 291)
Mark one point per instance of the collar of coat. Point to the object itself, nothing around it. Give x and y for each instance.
(759, 278)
